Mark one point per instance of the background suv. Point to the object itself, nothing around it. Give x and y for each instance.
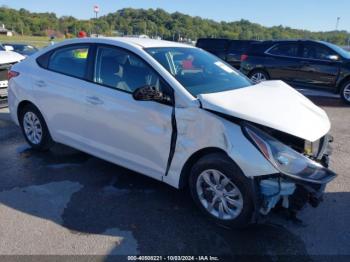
(302, 63)
(226, 49)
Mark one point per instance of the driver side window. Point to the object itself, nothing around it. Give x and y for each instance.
(312, 51)
(121, 70)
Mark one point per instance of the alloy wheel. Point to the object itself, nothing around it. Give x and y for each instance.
(32, 128)
(219, 195)
(346, 92)
(258, 77)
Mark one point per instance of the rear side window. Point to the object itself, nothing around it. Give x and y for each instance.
(312, 51)
(70, 61)
(285, 49)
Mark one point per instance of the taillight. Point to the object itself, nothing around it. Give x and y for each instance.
(11, 74)
(244, 57)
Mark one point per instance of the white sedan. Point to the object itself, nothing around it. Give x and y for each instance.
(180, 115)
(7, 59)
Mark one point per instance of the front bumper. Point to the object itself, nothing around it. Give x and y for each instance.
(3, 79)
(294, 192)
(3, 92)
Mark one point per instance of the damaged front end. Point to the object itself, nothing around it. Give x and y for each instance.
(302, 177)
(289, 193)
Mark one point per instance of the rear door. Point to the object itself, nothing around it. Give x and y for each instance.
(58, 87)
(283, 61)
(134, 134)
(316, 68)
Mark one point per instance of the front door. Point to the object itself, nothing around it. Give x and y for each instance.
(134, 134)
(317, 69)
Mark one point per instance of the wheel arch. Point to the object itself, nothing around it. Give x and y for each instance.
(342, 82)
(26, 102)
(22, 105)
(185, 171)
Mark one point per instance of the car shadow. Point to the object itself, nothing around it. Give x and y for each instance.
(327, 101)
(90, 196)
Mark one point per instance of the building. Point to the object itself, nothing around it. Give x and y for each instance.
(4, 31)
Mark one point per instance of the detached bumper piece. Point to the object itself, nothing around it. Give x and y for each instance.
(294, 192)
(274, 191)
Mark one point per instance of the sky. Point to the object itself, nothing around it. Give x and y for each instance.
(315, 15)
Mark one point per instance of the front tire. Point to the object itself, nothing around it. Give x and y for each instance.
(34, 128)
(258, 76)
(345, 92)
(221, 191)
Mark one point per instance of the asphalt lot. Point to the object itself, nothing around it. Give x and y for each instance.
(67, 202)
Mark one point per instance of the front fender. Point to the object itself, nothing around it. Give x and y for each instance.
(199, 129)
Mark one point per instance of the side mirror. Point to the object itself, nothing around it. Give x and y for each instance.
(8, 48)
(150, 93)
(333, 57)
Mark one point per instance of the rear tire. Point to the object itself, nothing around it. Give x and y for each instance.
(345, 92)
(221, 191)
(257, 76)
(34, 128)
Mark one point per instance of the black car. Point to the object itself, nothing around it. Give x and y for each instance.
(226, 49)
(23, 49)
(301, 63)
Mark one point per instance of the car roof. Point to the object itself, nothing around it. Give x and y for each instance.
(145, 42)
(292, 41)
(130, 41)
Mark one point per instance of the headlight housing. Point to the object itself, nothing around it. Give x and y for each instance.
(286, 160)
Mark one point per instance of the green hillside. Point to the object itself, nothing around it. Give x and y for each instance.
(153, 22)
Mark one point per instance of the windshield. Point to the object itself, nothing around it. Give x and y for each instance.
(24, 49)
(198, 71)
(339, 50)
(2, 47)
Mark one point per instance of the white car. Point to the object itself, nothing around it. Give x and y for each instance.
(180, 115)
(7, 59)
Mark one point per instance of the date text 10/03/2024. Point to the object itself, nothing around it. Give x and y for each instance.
(173, 258)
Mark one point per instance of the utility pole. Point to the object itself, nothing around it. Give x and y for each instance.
(96, 11)
(337, 24)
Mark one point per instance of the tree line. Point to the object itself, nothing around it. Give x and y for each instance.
(155, 23)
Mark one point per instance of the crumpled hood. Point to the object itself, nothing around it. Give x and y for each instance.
(10, 57)
(273, 104)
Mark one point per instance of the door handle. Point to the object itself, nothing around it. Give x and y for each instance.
(94, 100)
(40, 83)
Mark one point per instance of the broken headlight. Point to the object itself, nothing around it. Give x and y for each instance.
(286, 160)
